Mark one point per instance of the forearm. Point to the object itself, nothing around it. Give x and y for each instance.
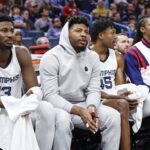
(109, 96)
(76, 110)
(58, 102)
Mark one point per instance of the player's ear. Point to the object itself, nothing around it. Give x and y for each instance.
(142, 29)
(100, 35)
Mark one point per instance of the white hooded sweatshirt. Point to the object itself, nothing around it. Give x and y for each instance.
(68, 77)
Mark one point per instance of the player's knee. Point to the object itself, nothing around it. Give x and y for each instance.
(63, 121)
(114, 119)
(46, 112)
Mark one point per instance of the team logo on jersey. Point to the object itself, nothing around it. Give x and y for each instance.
(9, 79)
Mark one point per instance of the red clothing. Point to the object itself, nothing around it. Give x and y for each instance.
(69, 10)
(2, 1)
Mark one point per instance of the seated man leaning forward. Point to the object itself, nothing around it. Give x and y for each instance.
(70, 81)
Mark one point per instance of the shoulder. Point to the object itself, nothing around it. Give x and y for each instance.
(114, 53)
(22, 54)
(51, 54)
(21, 51)
(38, 20)
(50, 60)
(49, 19)
(119, 57)
(53, 51)
(92, 54)
(92, 58)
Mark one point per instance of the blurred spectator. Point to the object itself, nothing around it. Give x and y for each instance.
(56, 7)
(29, 23)
(40, 3)
(132, 25)
(58, 2)
(86, 5)
(7, 6)
(17, 37)
(33, 11)
(2, 10)
(133, 29)
(122, 43)
(116, 17)
(101, 9)
(113, 10)
(120, 1)
(43, 41)
(2, 1)
(70, 9)
(18, 20)
(54, 32)
(95, 14)
(141, 6)
(130, 41)
(44, 22)
(130, 11)
(147, 10)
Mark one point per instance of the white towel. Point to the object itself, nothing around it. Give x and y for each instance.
(139, 93)
(12, 118)
(17, 107)
(23, 135)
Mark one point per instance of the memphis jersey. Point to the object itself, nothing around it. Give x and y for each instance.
(137, 63)
(108, 72)
(10, 77)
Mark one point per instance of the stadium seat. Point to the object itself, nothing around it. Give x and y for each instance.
(85, 140)
(28, 41)
(38, 49)
(37, 52)
(53, 42)
(35, 34)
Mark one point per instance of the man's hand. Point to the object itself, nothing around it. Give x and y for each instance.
(29, 92)
(132, 103)
(89, 119)
(95, 118)
(88, 115)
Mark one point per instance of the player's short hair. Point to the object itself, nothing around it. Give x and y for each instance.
(5, 18)
(122, 33)
(99, 26)
(141, 23)
(78, 20)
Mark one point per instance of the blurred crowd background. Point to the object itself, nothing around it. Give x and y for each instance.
(45, 18)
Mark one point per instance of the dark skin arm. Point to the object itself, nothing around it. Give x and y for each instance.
(109, 96)
(28, 74)
(120, 70)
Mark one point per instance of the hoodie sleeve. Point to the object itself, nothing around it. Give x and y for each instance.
(93, 89)
(49, 68)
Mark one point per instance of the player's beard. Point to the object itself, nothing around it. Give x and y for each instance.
(80, 48)
(8, 46)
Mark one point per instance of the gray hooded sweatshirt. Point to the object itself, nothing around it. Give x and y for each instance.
(68, 77)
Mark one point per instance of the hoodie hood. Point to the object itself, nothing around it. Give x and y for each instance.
(64, 40)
